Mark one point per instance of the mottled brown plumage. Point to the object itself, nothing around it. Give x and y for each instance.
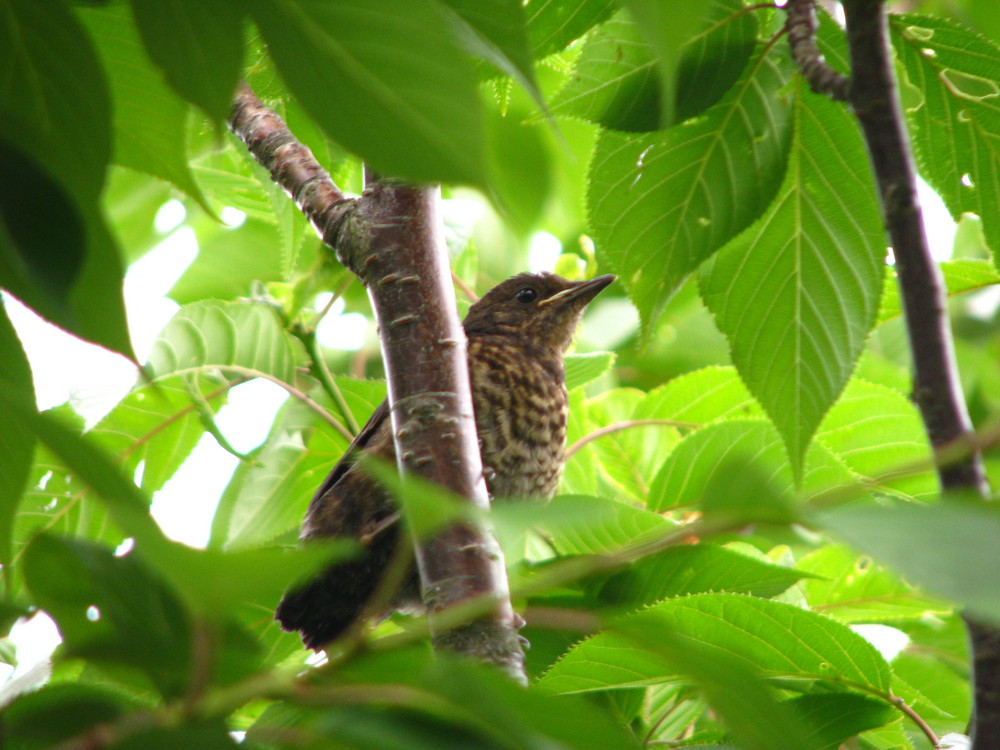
(517, 335)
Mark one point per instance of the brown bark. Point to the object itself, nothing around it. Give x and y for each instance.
(391, 238)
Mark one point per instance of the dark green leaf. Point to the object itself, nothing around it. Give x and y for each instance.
(55, 104)
(498, 35)
(811, 272)
(212, 735)
(473, 706)
(667, 26)
(519, 170)
(201, 55)
(948, 547)
(553, 24)
(37, 251)
(661, 203)
(56, 712)
(111, 608)
(713, 59)
(615, 82)
(375, 85)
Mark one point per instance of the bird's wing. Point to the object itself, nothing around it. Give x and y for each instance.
(350, 456)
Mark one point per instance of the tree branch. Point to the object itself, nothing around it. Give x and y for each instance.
(873, 95)
(392, 239)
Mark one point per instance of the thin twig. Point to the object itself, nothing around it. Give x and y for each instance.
(627, 425)
(466, 289)
(291, 389)
(917, 719)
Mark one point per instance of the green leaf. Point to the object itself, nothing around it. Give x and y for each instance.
(628, 457)
(811, 273)
(208, 735)
(456, 704)
(150, 121)
(702, 396)
(580, 525)
(229, 262)
(202, 55)
(615, 81)
(668, 27)
(131, 201)
(947, 547)
(125, 502)
(553, 24)
(158, 426)
(584, 368)
(579, 475)
(875, 430)
(695, 569)
(661, 203)
(498, 35)
(111, 609)
(244, 337)
(960, 275)
(57, 712)
(956, 128)
(376, 87)
(836, 717)
(18, 442)
(55, 104)
(855, 589)
(519, 169)
(72, 276)
(712, 60)
(701, 468)
(778, 640)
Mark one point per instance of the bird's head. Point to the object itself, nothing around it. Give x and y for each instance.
(540, 308)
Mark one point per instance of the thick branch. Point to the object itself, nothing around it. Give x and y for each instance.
(391, 238)
(874, 97)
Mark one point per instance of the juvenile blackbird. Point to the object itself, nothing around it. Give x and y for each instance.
(517, 334)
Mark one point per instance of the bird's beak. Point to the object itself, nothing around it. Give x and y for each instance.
(581, 293)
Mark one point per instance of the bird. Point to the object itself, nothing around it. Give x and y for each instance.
(517, 333)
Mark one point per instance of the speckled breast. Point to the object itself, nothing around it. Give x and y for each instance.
(521, 407)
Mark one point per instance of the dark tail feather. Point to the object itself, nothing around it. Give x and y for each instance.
(325, 607)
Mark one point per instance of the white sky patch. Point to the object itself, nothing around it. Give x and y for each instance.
(170, 216)
(937, 222)
(233, 217)
(184, 508)
(889, 641)
(543, 251)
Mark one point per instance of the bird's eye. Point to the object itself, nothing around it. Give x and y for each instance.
(526, 295)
